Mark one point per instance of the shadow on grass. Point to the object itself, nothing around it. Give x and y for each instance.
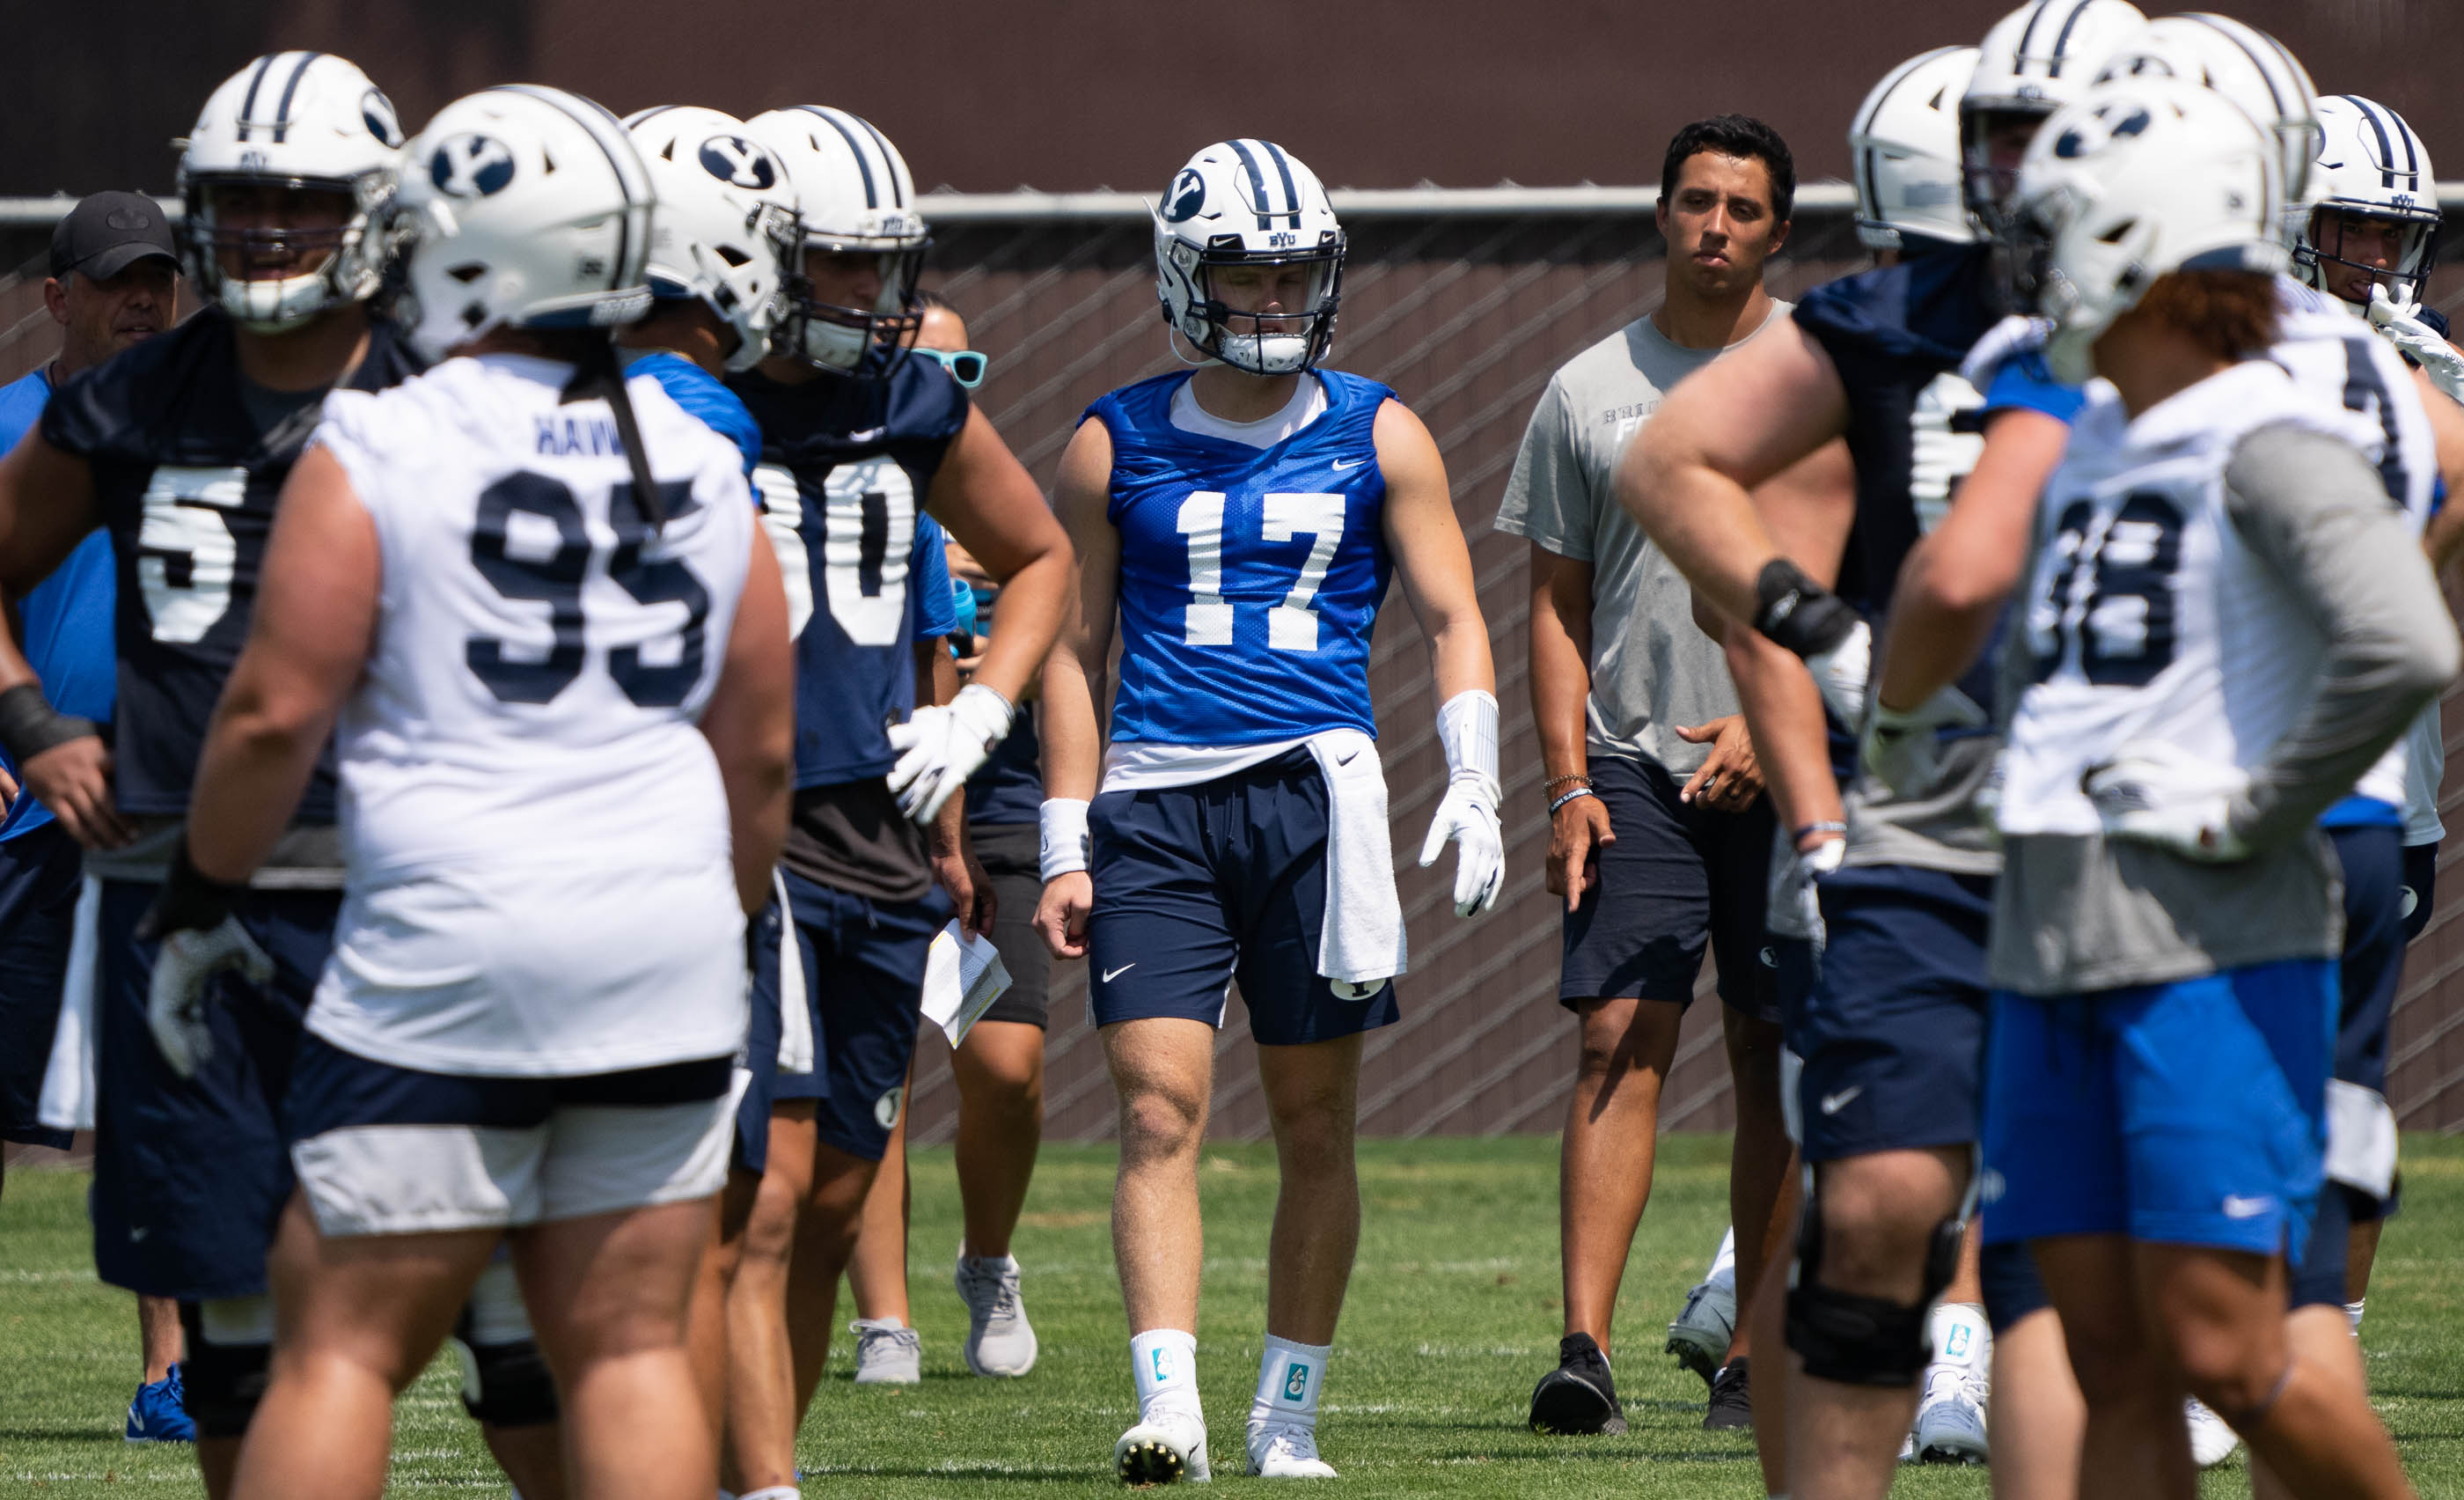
(96, 1435)
(1622, 1453)
(1006, 1473)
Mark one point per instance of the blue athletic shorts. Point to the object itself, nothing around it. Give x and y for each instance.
(190, 1174)
(864, 973)
(1892, 1031)
(2188, 1113)
(1678, 881)
(39, 877)
(1197, 887)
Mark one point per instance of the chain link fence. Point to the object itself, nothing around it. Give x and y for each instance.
(1466, 303)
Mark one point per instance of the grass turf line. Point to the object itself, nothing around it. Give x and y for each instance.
(1453, 1315)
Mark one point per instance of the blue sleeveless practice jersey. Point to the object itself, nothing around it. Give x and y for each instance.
(186, 485)
(1251, 578)
(703, 395)
(845, 466)
(66, 617)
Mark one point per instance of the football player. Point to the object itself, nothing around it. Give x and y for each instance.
(1242, 521)
(859, 440)
(2224, 624)
(178, 451)
(558, 820)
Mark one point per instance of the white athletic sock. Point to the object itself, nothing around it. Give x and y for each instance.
(2353, 1314)
(1723, 1266)
(1165, 1363)
(1288, 1378)
(774, 1492)
(1960, 1338)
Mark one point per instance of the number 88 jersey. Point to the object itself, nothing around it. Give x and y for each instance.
(2147, 616)
(1249, 578)
(184, 483)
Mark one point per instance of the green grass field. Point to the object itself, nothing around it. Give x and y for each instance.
(1453, 1315)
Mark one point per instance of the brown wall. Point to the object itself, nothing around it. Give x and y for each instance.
(1073, 94)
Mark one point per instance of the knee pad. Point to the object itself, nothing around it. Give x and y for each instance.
(223, 1373)
(505, 1382)
(1854, 1339)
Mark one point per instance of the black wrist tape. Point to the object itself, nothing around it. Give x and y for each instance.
(1797, 612)
(28, 724)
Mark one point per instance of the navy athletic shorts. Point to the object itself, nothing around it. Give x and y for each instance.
(2013, 1288)
(1198, 886)
(752, 1148)
(864, 975)
(39, 877)
(1892, 1031)
(1011, 854)
(190, 1174)
(1680, 879)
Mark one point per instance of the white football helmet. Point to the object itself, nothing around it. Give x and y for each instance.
(854, 196)
(2143, 177)
(1248, 203)
(2245, 65)
(2034, 61)
(2370, 164)
(302, 121)
(1903, 154)
(724, 231)
(525, 206)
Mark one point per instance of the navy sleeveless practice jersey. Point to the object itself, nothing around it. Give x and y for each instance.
(186, 485)
(1251, 578)
(846, 464)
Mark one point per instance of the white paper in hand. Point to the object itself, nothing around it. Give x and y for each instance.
(962, 977)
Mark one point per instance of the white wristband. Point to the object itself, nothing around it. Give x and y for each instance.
(1467, 729)
(1063, 820)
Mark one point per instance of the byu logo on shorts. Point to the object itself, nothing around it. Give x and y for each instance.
(1296, 1382)
(1188, 195)
(738, 162)
(472, 166)
(885, 1110)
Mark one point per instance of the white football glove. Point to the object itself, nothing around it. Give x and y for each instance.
(1898, 746)
(940, 747)
(1797, 912)
(2153, 792)
(1840, 672)
(2402, 326)
(1468, 813)
(177, 1008)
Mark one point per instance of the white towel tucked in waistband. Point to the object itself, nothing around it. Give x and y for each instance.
(68, 1083)
(1362, 943)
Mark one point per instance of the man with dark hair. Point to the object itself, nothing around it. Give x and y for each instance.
(115, 275)
(1660, 834)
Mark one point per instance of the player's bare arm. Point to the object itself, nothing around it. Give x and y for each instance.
(750, 722)
(1431, 561)
(987, 499)
(1954, 582)
(45, 508)
(2443, 537)
(1561, 681)
(309, 639)
(1734, 425)
(1073, 747)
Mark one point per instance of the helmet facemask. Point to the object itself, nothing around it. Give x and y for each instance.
(2322, 245)
(1278, 343)
(349, 270)
(838, 336)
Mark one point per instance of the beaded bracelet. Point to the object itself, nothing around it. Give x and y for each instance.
(1555, 782)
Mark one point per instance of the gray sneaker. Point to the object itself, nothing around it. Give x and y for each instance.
(999, 1340)
(886, 1351)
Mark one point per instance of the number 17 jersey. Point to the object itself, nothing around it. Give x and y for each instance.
(1249, 577)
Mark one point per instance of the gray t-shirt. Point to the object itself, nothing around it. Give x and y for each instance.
(1652, 668)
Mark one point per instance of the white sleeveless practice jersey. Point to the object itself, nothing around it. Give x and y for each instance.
(2146, 616)
(2335, 355)
(536, 830)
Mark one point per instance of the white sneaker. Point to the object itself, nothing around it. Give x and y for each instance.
(999, 1340)
(1951, 1419)
(2213, 1439)
(1164, 1447)
(886, 1351)
(1699, 1336)
(1285, 1450)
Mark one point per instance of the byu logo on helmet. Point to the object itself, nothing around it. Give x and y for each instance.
(738, 162)
(472, 166)
(1188, 196)
(377, 112)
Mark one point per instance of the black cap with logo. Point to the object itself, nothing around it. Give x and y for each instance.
(109, 232)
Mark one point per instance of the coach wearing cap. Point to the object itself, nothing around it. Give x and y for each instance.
(114, 281)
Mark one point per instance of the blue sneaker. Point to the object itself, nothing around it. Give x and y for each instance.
(160, 1413)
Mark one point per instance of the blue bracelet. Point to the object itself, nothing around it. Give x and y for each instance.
(1564, 797)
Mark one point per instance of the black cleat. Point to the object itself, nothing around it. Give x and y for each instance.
(1578, 1398)
(1732, 1398)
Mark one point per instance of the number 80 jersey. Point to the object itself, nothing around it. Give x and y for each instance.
(1251, 578)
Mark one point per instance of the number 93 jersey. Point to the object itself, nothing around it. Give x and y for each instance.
(1249, 578)
(542, 655)
(184, 483)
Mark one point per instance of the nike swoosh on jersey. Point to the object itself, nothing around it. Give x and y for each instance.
(865, 437)
(1833, 1103)
(2239, 1207)
(1111, 974)
(1339, 464)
